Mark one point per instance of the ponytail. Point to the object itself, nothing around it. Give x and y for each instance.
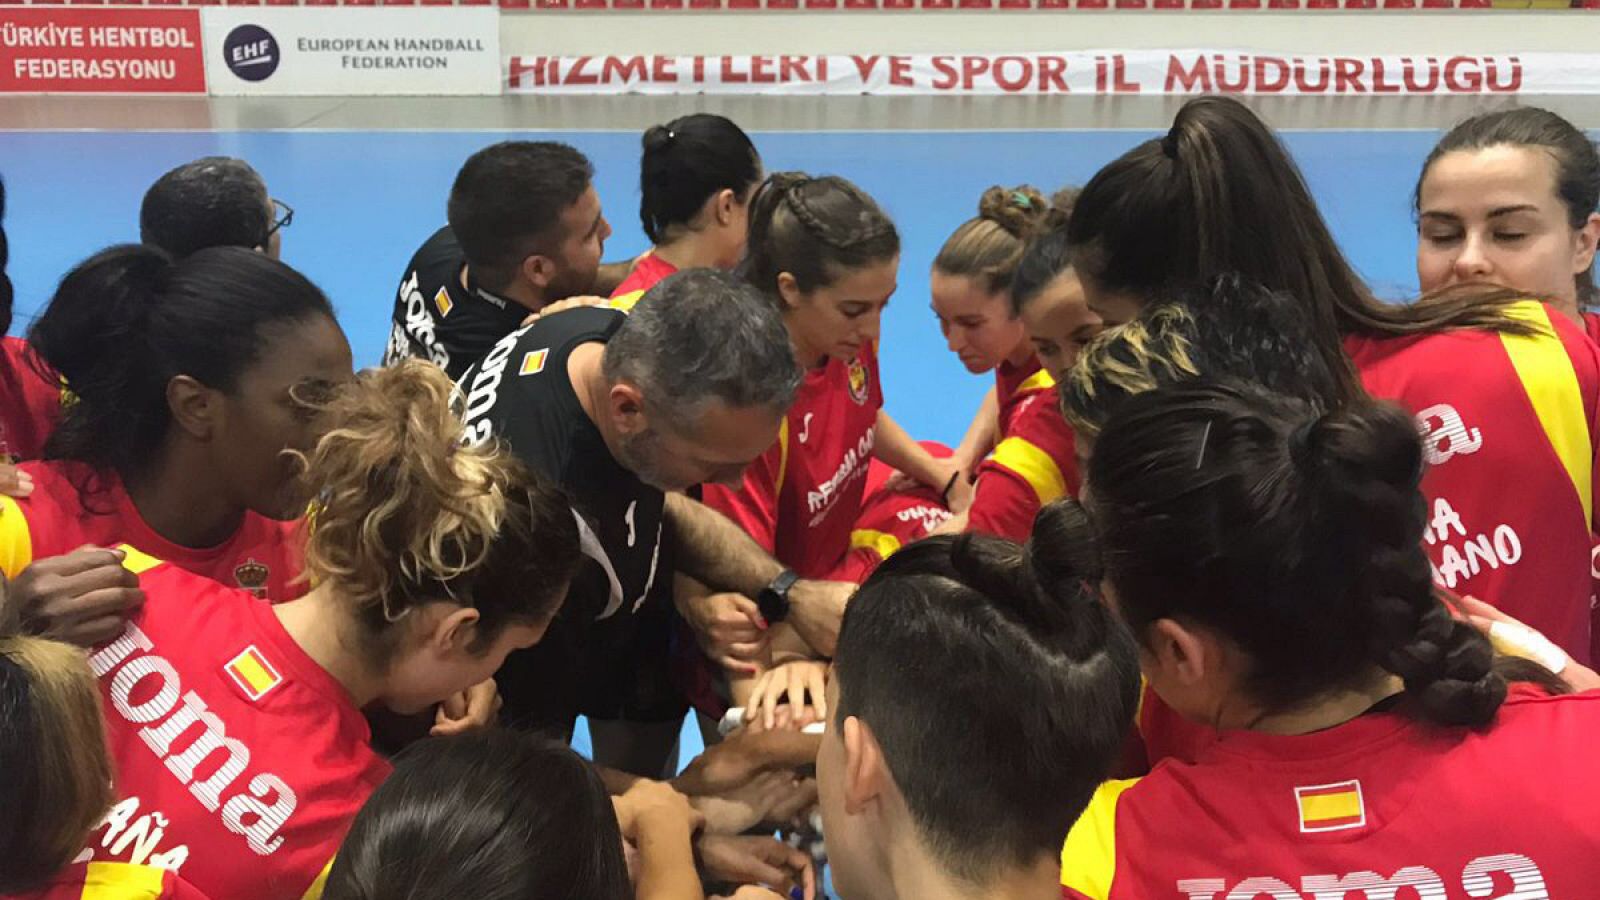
(1219, 193)
(128, 320)
(404, 515)
(815, 229)
(1295, 534)
(687, 162)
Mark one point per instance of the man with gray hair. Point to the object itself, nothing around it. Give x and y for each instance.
(625, 412)
(215, 201)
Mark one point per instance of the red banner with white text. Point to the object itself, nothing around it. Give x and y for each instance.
(108, 50)
(1159, 72)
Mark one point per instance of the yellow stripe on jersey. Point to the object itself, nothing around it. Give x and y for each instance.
(1546, 372)
(122, 881)
(1089, 857)
(315, 891)
(783, 457)
(16, 541)
(627, 301)
(1038, 381)
(1032, 465)
(137, 561)
(885, 545)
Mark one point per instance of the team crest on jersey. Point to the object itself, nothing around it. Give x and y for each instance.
(1330, 807)
(533, 361)
(442, 301)
(252, 576)
(253, 673)
(858, 381)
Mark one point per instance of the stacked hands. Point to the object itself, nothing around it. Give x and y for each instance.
(750, 781)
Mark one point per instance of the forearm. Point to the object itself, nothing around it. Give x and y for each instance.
(983, 431)
(666, 863)
(717, 552)
(896, 449)
(617, 782)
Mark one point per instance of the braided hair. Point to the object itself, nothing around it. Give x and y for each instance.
(1297, 535)
(815, 229)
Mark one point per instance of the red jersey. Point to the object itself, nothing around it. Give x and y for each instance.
(1035, 463)
(1508, 430)
(30, 404)
(264, 556)
(891, 519)
(801, 499)
(1383, 806)
(644, 276)
(113, 881)
(240, 761)
(1591, 326)
(1014, 385)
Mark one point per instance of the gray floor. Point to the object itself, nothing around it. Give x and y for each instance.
(633, 113)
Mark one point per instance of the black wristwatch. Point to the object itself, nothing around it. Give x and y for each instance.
(773, 600)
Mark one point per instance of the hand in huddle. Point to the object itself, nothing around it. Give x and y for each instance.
(84, 597)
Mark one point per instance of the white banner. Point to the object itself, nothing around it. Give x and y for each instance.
(1133, 72)
(352, 52)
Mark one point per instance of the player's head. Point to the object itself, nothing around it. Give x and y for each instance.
(55, 774)
(1512, 198)
(700, 378)
(981, 691)
(492, 815)
(211, 202)
(827, 255)
(1218, 193)
(1268, 556)
(1047, 295)
(1228, 328)
(6, 291)
(527, 215)
(697, 176)
(201, 356)
(971, 279)
(447, 557)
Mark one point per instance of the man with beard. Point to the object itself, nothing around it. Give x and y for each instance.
(525, 230)
(626, 412)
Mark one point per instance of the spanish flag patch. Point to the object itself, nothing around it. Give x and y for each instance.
(1330, 807)
(533, 362)
(254, 675)
(442, 301)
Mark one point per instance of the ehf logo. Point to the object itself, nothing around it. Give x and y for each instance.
(251, 52)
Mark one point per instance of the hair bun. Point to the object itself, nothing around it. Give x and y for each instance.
(1018, 210)
(656, 138)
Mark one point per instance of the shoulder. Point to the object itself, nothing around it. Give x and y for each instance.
(440, 250)
(1089, 856)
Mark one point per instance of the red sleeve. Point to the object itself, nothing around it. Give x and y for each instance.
(1003, 504)
(30, 403)
(753, 505)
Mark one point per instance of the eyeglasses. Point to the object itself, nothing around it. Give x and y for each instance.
(283, 216)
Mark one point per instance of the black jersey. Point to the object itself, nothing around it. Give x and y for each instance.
(590, 659)
(437, 318)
